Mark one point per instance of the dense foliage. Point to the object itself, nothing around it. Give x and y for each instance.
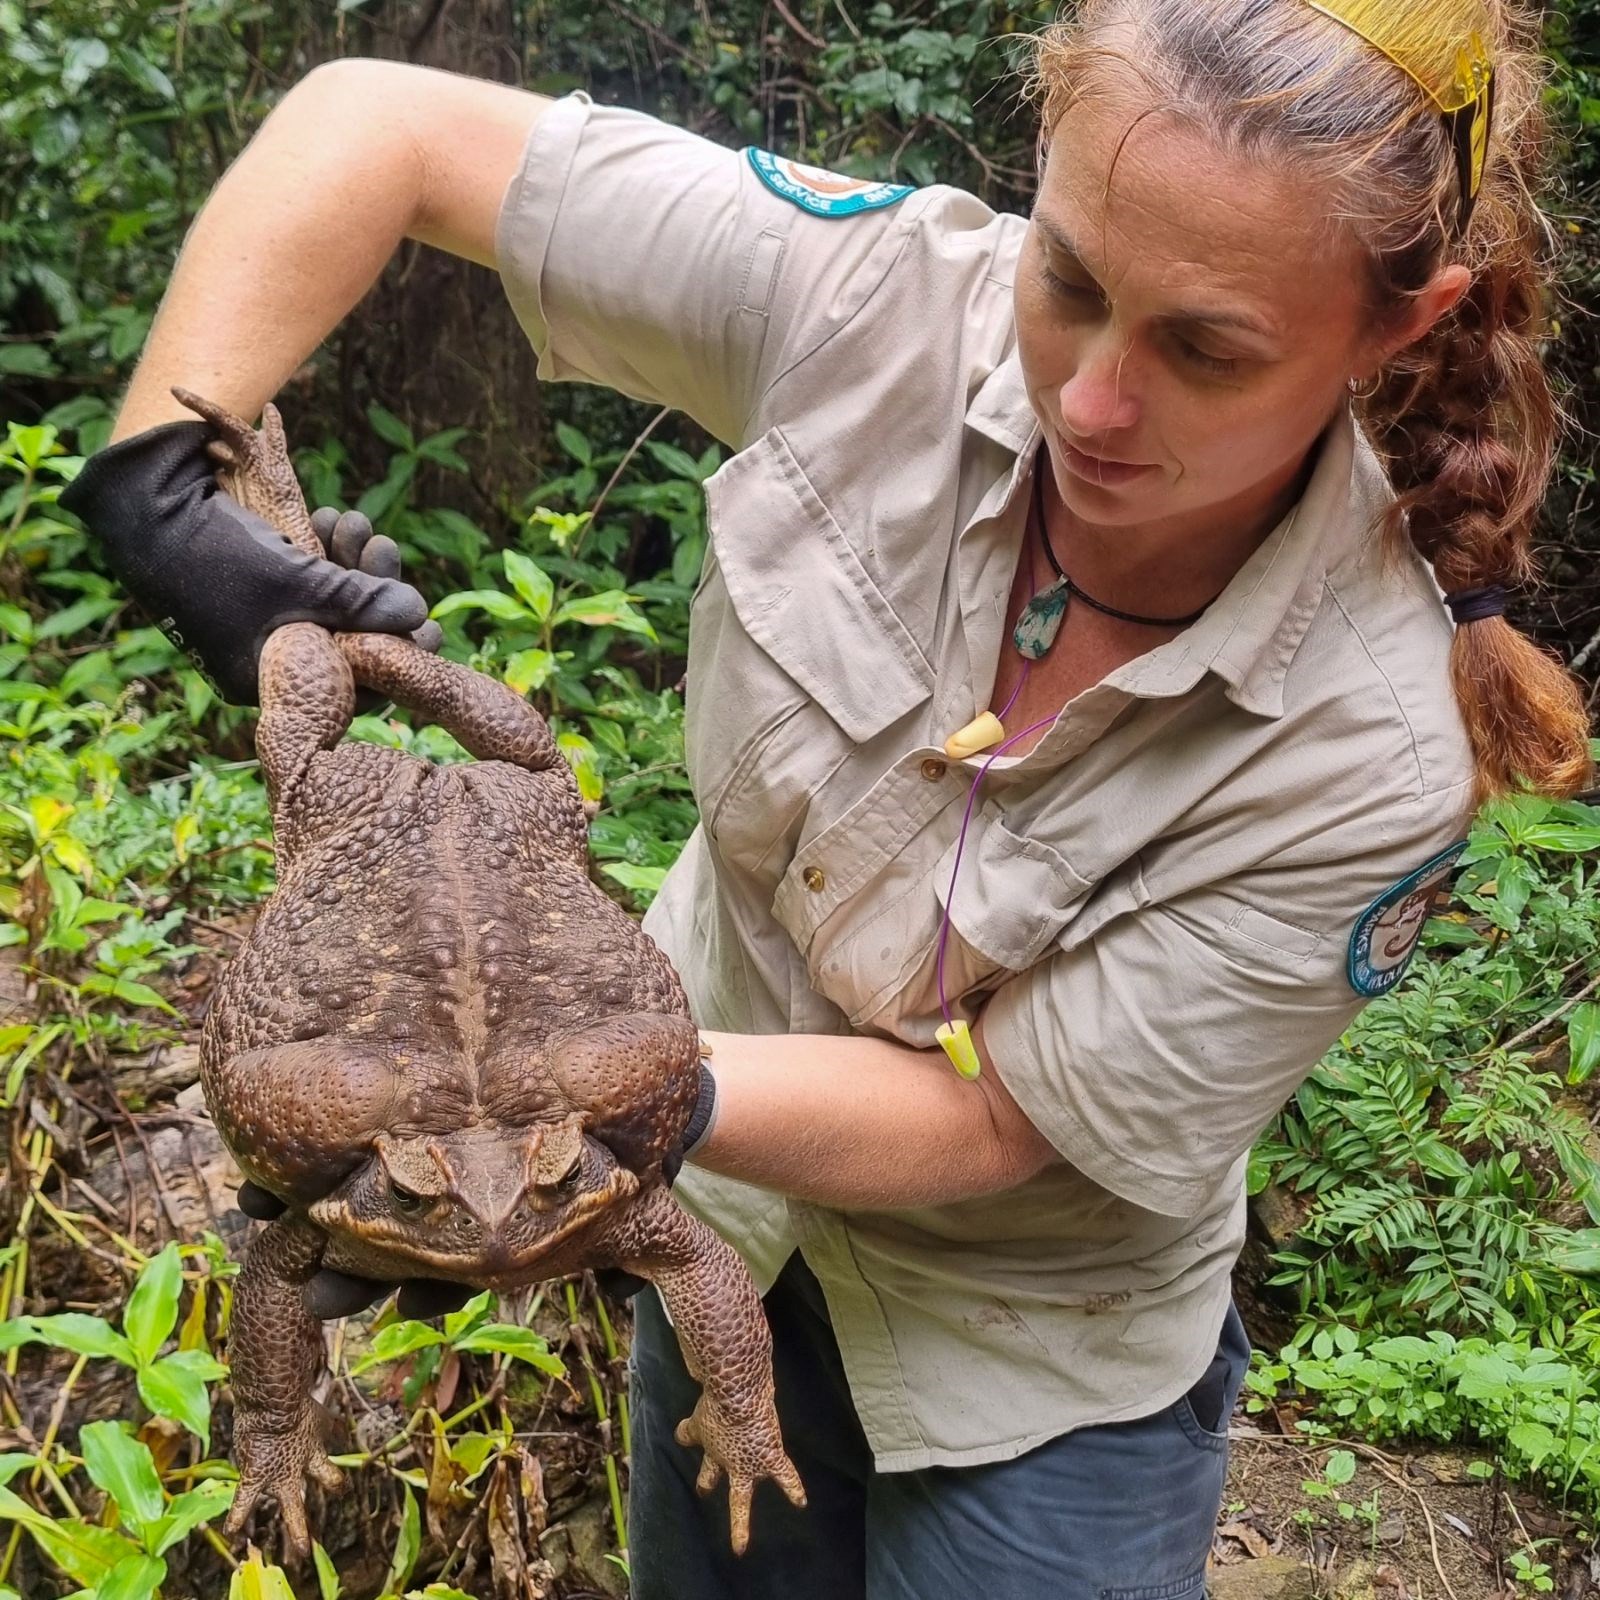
(1445, 1258)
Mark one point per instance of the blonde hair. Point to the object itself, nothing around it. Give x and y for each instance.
(1464, 419)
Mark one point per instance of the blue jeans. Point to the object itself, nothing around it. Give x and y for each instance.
(1123, 1511)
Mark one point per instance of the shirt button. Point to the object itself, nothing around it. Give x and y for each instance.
(933, 769)
(813, 879)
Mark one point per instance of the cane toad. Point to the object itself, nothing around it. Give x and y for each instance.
(442, 1046)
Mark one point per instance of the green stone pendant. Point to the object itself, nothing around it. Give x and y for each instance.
(1040, 621)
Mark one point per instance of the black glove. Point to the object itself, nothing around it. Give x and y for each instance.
(216, 578)
(331, 1293)
(625, 1285)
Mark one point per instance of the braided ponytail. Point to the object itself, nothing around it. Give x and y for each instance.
(1466, 423)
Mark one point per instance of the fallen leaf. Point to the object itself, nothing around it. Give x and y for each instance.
(1247, 1536)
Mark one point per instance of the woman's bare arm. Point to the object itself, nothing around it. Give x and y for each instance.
(864, 1124)
(359, 155)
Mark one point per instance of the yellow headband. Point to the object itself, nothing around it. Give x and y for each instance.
(1456, 73)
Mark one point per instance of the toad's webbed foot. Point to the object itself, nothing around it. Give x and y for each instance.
(745, 1444)
(275, 1458)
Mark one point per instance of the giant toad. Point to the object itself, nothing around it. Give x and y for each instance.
(442, 1046)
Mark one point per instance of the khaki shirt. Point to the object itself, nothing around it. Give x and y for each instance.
(1155, 904)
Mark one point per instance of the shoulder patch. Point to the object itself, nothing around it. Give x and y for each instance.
(1386, 933)
(822, 193)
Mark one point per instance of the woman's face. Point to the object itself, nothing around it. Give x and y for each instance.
(1186, 323)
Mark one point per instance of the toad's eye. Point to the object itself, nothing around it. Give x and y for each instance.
(569, 1178)
(404, 1201)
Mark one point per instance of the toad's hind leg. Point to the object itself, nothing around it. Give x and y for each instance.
(490, 720)
(307, 699)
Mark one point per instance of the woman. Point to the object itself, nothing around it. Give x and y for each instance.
(1068, 688)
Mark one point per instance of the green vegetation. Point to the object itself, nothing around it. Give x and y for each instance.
(1445, 1263)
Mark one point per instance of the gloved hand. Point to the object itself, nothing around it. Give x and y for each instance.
(348, 538)
(336, 1294)
(216, 578)
(333, 1294)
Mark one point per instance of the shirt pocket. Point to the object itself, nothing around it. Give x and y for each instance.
(877, 956)
(797, 656)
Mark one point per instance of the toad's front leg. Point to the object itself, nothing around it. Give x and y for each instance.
(727, 1348)
(275, 1352)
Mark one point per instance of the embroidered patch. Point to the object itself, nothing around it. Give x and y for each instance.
(822, 193)
(1387, 932)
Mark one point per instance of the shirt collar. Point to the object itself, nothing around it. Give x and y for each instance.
(1251, 631)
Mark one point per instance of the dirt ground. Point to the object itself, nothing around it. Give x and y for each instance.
(1434, 1532)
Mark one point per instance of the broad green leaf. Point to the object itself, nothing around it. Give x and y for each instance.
(522, 1344)
(678, 462)
(575, 444)
(1533, 1439)
(631, 876)
(382, 497)
(252, 1581)
(390, 428)
(1341, 1467)
(83, 1335)
(527, 670)
(530, 581)
(84, 1552)
(1583, 1039)
(145, 73)
(175, 1387)
(203, 1503)
(581, 758)
(124, 1468)
(437, 1591)
(327, 1574)
(1403, 1349)
(125, 990)
(495, 601)
(471, 1452)
(406, 1548)
(1556, 836)
(469, 1316)
(32, 444)
(1513, 884)
(12, 1463)
(26, 361)
(133, 1578)
(79, 615)
(398, 1339)
(609, 609)
(153, 1305)
(47, 814)
(81, 60)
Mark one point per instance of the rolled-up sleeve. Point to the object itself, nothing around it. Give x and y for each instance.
(1152, 1054)
(645, 258)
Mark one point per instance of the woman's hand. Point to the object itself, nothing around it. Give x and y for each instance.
(216, 578)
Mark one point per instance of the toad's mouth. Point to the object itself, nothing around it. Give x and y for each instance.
(511, 1255)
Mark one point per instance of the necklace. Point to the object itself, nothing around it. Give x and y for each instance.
(1042, 617)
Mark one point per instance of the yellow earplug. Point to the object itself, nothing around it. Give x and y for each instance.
(981, 733)
(956, 1041)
